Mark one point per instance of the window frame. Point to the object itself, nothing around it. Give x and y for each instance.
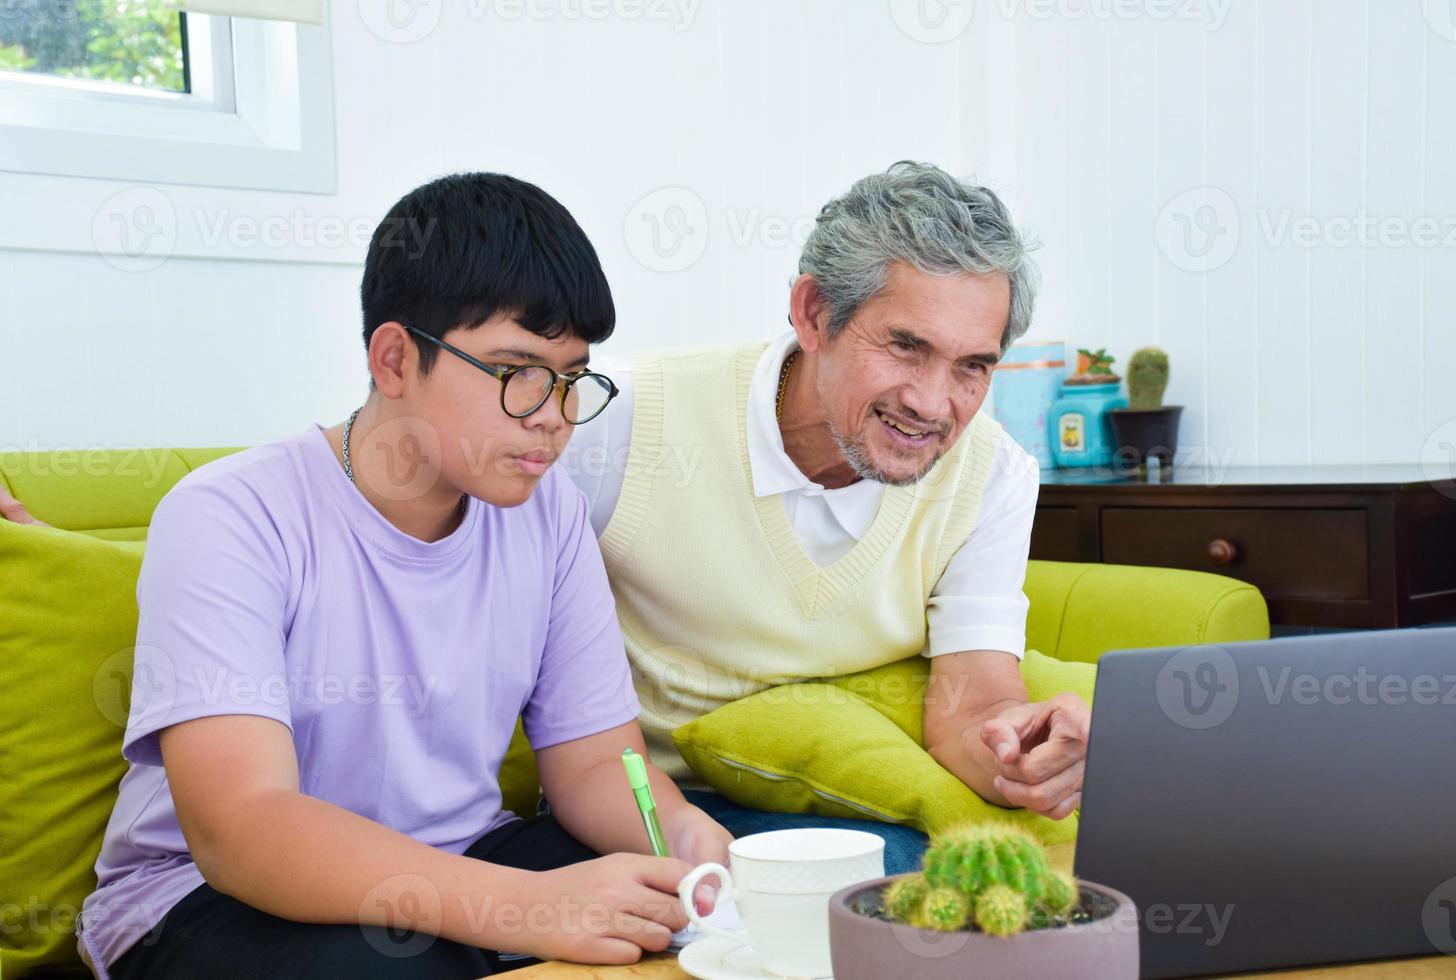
(266, 123)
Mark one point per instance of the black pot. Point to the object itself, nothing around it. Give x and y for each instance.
(1139, 434)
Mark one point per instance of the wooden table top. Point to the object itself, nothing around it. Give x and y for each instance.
(664, 966)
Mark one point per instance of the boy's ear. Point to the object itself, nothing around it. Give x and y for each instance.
(393, 359)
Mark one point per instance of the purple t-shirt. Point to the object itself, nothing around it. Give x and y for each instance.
(271, 587)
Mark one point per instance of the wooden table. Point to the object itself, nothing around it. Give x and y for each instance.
(664, 966)
(1362, 547)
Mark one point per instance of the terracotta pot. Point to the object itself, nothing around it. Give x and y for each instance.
(865, 947)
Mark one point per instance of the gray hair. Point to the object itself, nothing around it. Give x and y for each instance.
(916, 213)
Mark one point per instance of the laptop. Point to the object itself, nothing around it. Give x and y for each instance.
(1278, 803)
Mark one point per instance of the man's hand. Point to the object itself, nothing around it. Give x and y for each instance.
(697, 838)
(1041, 751)
(14, 511)
(603, 911)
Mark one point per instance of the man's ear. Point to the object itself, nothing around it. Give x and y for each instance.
(393, 359)
(809, 313)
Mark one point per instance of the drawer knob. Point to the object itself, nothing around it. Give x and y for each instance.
(1222, 551)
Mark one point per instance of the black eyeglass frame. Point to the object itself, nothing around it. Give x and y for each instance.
(504, 375)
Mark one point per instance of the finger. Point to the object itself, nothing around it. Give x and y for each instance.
(1064, 744)
(662, 874)
(645, 933)
(1071, 718)
(705, 897)
(1042, 796)
(1005, 733)
(611, 951)
(664, 908)
(14, 511)
(1064, 809)
(1003, 737)
(1040, 732)
(1044, 761)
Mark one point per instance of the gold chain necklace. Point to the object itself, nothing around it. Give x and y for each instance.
(783, 386)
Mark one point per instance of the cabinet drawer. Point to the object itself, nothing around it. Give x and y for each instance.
(1303, 554)
(1054, 534)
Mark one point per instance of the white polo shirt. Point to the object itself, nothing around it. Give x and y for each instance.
(978, 604)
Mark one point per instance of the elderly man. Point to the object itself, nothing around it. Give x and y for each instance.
(832, 500)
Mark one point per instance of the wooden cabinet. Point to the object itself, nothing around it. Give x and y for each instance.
(1327, 546)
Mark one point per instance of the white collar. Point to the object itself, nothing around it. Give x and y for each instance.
(773, 471)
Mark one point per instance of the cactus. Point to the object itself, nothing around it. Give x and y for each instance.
(1001, 911)
(943, 909)
(1060, 893)
(903, 898)
(1057, 902)
(1147, 378)
(992, 875)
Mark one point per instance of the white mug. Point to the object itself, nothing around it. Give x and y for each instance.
(781, 882)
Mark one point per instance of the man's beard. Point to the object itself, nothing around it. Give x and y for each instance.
(857, 456)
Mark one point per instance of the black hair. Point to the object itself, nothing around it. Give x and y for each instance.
(467, 247)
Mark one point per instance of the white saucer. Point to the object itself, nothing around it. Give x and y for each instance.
(715, 958)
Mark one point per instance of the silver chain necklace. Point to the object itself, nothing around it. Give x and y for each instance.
(348, 427)
(349, 468)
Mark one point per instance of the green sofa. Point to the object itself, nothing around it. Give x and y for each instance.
(68, 617)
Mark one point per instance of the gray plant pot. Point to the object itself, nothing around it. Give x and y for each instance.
(865, 947)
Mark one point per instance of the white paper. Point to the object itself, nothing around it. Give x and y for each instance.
(724, 916)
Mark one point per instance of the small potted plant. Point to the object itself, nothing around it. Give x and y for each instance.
(1146, 428)
(1094, 367)
(987, 904)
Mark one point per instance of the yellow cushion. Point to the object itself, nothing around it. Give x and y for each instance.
(852, 747)
(67, 625)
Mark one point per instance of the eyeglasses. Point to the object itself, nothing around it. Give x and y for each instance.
(525, 387)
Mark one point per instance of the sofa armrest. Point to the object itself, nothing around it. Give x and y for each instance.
(1079, 611)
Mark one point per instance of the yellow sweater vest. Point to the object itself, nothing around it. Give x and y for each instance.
(717, 600)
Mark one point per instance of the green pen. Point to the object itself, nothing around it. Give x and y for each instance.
(637, 775)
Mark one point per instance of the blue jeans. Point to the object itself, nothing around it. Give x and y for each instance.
(904, 846)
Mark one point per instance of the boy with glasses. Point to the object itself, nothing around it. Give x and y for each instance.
(338, 632)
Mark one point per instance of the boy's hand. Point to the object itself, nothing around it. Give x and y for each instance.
(697, 838)
(604, 911)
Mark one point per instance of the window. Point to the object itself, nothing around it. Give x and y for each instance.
(117, 50)
(142, 90)
(125, 45)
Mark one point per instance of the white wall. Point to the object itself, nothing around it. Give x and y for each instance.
(1283, 350)
(743, 116)
(758, 110)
